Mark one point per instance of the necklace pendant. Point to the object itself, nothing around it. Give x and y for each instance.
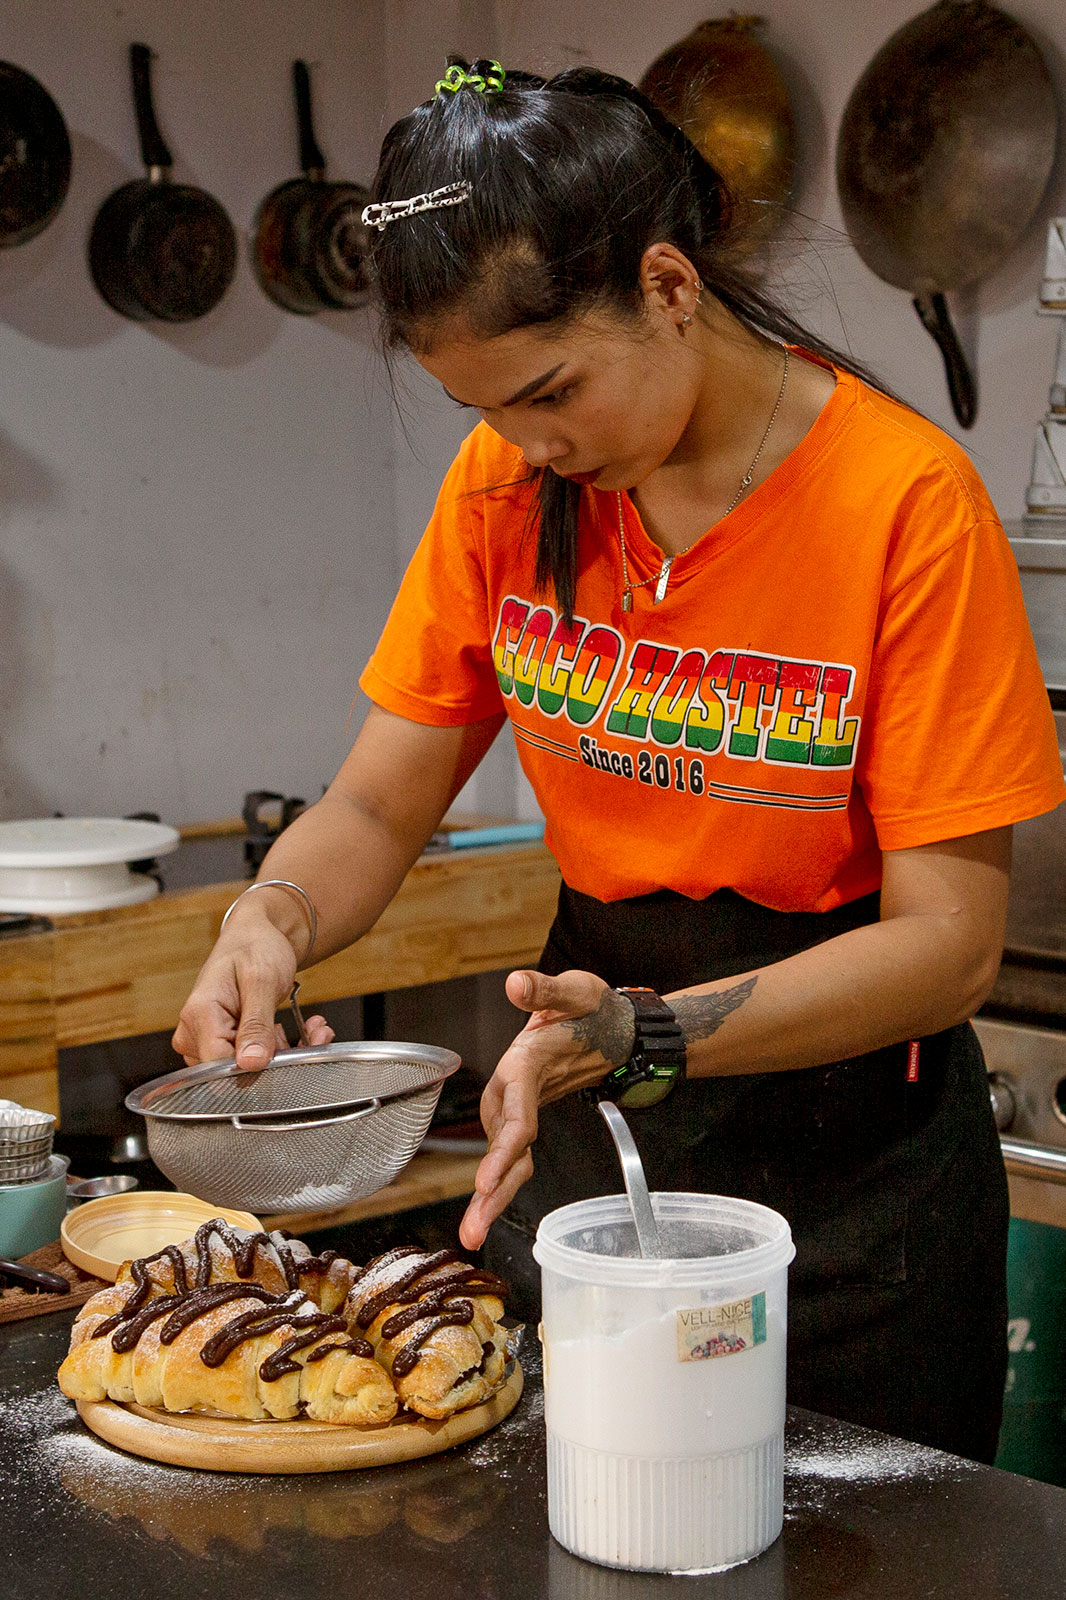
(627, 601)
(664, 579)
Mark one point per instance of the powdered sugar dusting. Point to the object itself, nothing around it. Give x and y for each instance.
(522, 1432)
(819, 1465)
(50, 1436)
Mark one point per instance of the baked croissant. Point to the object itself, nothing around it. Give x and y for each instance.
(433, 1321)
(233, 1348)
(218, 1253)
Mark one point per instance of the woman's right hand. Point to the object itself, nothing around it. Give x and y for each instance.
(231, 1009)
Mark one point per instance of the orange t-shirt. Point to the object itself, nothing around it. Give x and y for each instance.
(840, 667)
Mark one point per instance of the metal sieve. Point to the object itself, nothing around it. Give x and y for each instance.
(314, 1130)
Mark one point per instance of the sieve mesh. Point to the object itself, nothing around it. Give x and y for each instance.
(296, 1169)
(287, 1165)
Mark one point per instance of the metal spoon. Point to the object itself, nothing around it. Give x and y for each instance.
(648, 1240)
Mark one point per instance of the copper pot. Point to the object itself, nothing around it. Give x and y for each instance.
(726, 92)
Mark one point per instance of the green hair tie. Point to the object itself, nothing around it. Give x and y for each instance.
(457, 78)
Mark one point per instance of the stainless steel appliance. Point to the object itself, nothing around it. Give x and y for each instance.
(1023, 1026)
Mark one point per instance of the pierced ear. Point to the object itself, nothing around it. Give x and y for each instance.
(668, 278)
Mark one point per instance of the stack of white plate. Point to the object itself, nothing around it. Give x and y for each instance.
(25, 1143)
(52, 865)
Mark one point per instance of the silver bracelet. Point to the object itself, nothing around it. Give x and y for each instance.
(282, 883)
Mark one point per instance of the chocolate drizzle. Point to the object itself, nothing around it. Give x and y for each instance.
(201, 1301)
(444, 1269)
(143, 1286)
(407, 1358)
(244, 1252)
(428, 1306)
(182, 1309)
(355, 1346)
(433, 1291)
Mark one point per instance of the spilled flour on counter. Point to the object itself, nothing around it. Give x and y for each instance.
(521, 1433)
(51, 1437)
(819, 1464)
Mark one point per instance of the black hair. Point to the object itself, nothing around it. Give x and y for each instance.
(572, 179)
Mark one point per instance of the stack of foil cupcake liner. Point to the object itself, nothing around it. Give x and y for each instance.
(25, 1143)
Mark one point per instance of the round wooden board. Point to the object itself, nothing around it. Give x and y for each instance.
(223, 1444)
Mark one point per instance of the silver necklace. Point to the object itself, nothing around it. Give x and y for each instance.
(662, 577)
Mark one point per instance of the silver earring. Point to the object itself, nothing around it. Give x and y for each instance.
(685, 320)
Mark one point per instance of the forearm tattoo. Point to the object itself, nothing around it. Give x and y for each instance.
(610, 1029)
(703, 1014)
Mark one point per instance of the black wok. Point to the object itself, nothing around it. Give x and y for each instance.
(160, 251)
(310, 238)
(944, 152)
(34, 156)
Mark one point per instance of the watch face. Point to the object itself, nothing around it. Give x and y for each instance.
(648, 1093)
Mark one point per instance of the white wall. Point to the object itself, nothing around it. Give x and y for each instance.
(197, 529)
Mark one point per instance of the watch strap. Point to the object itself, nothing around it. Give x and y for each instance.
(658, 1056)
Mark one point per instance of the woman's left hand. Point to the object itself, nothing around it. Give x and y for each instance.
(579, 1028)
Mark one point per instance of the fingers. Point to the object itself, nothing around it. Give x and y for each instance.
(205, 1032)
(568, 994)
(519, 989)
(256, 1041)
(509, 1113)
(319, 1031)
(483, 1210)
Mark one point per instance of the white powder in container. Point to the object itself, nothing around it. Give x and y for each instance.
(665, 1383)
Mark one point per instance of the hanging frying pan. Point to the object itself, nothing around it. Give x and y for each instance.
(726, 92)
(310, 239)
(34, 156)
(944, 152)
(160, 251)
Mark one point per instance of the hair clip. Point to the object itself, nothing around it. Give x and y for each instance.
(456, 78)
(380, 215)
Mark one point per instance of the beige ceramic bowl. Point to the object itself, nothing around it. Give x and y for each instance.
(100, 1235)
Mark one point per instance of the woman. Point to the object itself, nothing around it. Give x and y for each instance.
(762, 645)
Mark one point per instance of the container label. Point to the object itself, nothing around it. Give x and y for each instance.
(723, 1330)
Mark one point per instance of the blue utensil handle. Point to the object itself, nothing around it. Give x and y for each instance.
(505, 833)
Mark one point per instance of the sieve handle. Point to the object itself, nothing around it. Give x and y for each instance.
(301, 1025)
(290, 1127)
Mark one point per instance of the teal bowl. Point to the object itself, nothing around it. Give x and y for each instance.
(31, 1214)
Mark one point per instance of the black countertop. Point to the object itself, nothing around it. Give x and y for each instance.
(865, 1516)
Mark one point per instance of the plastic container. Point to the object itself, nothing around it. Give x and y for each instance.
(665, 1381)
(31, 1214)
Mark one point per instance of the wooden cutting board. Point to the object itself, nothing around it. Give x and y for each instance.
(223, 1444)
(17, 1302)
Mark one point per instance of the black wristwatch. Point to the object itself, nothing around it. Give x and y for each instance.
(658, 1057)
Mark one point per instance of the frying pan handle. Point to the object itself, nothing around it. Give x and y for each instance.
(933, 311)
(312, 160)
(154, 152)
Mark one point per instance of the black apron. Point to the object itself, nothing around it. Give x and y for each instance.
(895, 1190)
